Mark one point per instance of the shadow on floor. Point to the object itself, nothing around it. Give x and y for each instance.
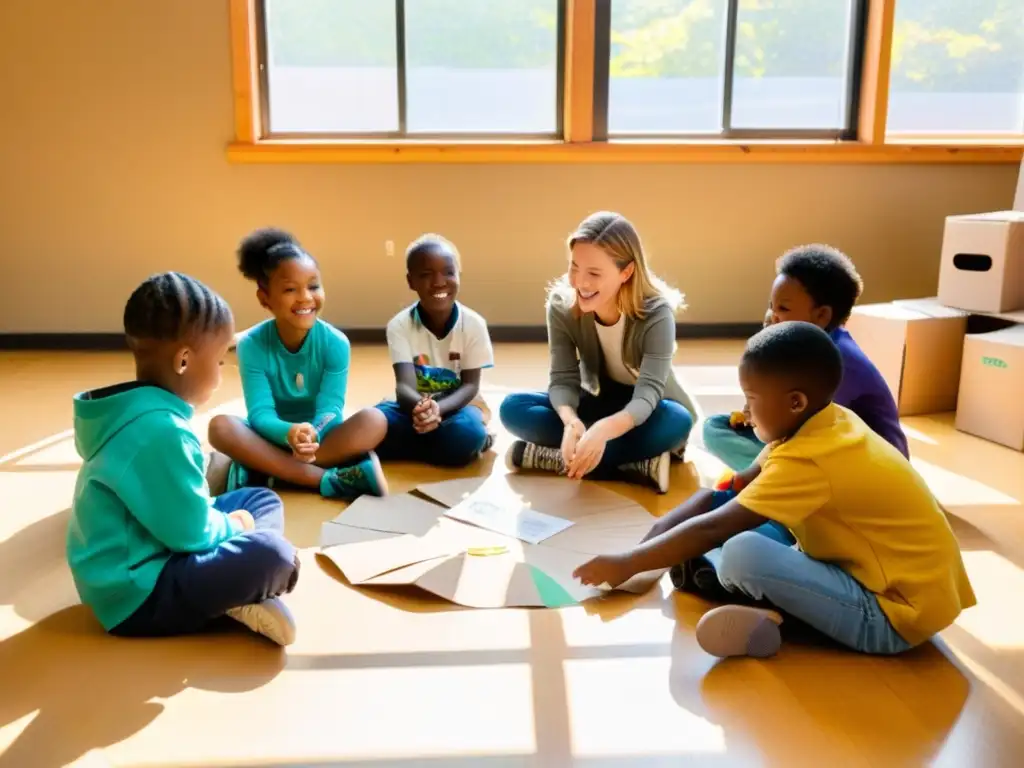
(89, 690)
(816, 699)
(34, 576)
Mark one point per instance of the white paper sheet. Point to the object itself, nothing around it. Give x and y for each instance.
(507, 515)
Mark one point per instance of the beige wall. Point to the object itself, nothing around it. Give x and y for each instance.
(113, 121)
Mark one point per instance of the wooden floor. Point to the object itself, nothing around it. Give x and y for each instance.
(397, 679)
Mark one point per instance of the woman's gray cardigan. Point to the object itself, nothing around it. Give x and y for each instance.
(648, 345)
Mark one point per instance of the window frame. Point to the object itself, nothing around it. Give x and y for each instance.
(582, 117)
(848, 132)
(402, 133)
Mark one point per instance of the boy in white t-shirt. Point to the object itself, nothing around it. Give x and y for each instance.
(438, 349)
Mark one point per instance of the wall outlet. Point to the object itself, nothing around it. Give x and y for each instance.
(389, 248)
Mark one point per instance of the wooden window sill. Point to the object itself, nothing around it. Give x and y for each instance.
(503, 151)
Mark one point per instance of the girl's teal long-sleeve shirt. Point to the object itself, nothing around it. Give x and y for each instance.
(283, 388)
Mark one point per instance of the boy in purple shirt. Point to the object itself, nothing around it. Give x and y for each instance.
(816, 284)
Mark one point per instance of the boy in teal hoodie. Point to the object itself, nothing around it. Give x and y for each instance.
(150, 551)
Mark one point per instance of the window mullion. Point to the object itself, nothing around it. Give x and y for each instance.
(601, 68)
(729, 64)
(855, 66)
(403, 101)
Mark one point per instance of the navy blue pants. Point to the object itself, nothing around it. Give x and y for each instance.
(531, 417)
(194, 590)
(458, 440)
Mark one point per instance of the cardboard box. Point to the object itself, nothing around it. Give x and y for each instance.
(991, 402)
(982, 268)
(917, 346)
(1018, 200)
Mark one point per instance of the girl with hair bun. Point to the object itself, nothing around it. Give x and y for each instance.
(294, 369)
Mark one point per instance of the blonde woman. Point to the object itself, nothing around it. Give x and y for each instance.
(614, 408)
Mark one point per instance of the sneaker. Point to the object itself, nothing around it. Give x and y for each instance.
(488, 444)
(737, 630)
(698, 576)
(217, 469)
(239, 476)
(530, 456)
(366, 477)
(679, 452)
(271, 618)
(653, 471)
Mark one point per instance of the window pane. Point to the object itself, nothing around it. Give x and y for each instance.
(481, 67)
(331, 66)
(957, 66)
(666, 66)
(791, 64)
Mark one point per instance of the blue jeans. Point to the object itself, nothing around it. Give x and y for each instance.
(195, 590)
(455, 443)
(531, 417)
(737, 448)
(824, 596)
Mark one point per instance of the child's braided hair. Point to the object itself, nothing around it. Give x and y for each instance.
(170, 305)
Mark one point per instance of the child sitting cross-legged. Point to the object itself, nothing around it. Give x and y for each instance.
(438, 348)
(878, 568)
(817, 284)
(294, 369)
(151, 553)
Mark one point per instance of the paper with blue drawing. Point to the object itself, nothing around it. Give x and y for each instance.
(497, 508)
(535, 532)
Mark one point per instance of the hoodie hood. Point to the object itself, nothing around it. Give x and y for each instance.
(100, 414)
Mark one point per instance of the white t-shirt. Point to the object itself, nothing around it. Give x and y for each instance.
(440, 362)
(610, 337)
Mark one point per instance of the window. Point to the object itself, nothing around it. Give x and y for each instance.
(416, 68)
(628, 80)
(733, 67)
(957, 67)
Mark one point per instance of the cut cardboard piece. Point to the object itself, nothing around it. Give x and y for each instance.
(917, 346)
(479, 568)
(392, 514)
(333, 535)
(982, 267)
(546, 493)
(991, 387)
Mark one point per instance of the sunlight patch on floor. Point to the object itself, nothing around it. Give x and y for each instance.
(995, 580)
(625, 707)
(482, 709)
(953, 489)
(918, 435)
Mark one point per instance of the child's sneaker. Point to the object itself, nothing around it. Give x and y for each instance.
(355, 480)
(653, 471)
(217, 469)
(737, 630)
(239, 477)
(679, 452)
(698, 576)
(530, 456)
(271, 618)
(488, 443)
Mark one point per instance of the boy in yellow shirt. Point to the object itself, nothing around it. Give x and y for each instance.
(877, 566)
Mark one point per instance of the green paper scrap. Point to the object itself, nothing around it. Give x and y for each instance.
(552, 594)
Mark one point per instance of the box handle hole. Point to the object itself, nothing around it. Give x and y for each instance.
(972, 262)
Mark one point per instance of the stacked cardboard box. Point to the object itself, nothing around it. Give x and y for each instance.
(964, 350)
